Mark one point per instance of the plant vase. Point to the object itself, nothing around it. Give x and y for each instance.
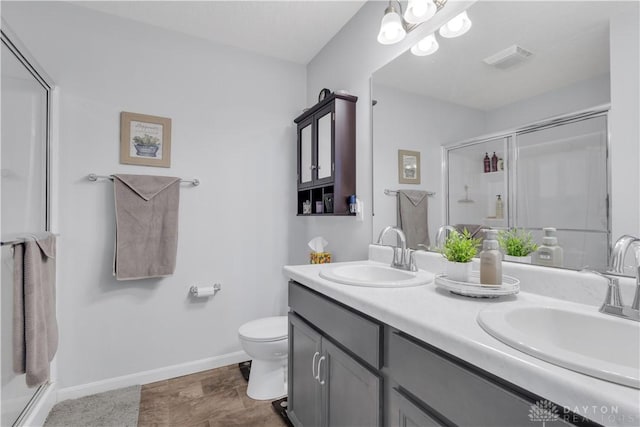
(458, 271)
(146, 150)
(520, 259)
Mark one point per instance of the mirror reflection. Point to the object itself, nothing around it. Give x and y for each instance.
(511, 121)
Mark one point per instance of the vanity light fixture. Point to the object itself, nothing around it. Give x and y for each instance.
(426, 46)
(395, 26)
(456, 27)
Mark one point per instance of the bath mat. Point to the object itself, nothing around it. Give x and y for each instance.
(245, 369)
(112, 408)
(280, 406)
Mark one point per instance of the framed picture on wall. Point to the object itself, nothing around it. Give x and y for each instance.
(408, 167)
(145, 140)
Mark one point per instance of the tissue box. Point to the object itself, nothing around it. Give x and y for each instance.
(320, 257)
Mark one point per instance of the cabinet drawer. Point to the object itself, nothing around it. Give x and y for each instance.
(358, 334)
(458, 394)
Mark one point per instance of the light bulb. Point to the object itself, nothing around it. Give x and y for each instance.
(391, 28)
(419, 11)
(426, 46)
(457, 26)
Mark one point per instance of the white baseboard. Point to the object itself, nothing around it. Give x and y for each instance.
(37, 414)
(153, 375)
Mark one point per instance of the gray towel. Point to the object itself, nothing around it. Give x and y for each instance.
(35, 329)
(146, 226)
(413, 217)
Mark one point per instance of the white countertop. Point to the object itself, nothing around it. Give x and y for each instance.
(448, 322)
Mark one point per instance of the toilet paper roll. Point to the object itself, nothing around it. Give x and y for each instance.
(204, 291)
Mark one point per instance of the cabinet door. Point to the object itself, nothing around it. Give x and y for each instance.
(304, 389)
(350, 392)
(405, 413)
(305, 153)
(324, 126)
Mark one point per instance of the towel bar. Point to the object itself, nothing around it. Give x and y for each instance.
(20, 239)
(394, 192)
(94, 177)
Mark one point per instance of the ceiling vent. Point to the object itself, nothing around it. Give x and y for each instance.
(507, 57)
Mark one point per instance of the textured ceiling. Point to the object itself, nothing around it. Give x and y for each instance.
(569, 41)
(294, 30)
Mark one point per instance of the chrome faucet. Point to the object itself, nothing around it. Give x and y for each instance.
(403, 263)
(442, 234)
(613, 301)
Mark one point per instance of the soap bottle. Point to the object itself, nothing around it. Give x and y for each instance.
(549, 253)
(487, 163)
(499, 207)
(491, 260)
(494, 162)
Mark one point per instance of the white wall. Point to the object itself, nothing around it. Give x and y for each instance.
(624, 124)
(565, 100)
(232, 128)
(407, 121)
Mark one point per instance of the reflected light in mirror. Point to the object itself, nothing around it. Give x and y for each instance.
(419, 11)
(426, 46)
(457, 26)
(391, 28)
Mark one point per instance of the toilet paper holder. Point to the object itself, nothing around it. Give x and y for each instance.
(205, 291)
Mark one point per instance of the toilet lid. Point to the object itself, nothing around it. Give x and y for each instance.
(265, 329)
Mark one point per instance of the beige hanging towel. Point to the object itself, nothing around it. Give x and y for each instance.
(35, 329)
(146, 226)
(413, 217)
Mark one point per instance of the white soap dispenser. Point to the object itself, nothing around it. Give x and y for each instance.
(491, 260)
(549, 253)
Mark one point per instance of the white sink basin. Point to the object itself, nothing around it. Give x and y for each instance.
(591, 343)
(375, 275)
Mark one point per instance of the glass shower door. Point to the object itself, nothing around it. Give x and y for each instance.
(561, 182)
(25, 101)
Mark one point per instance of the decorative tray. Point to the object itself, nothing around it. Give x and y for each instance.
(510, 286)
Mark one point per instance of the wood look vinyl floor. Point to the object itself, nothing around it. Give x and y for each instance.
(214, 398)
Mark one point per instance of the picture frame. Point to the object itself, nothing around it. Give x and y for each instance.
(145, 140)
(408, 167)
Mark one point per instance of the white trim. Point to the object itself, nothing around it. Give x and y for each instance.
(150, 376)
(37, 414)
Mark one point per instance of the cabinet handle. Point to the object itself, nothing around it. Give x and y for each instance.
(321, 381)
(312, 167)
(313, 365)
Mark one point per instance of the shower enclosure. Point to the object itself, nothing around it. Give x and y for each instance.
(552, 174)
(24, 178)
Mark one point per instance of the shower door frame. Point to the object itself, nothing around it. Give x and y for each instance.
(512, 158)
(11, 41)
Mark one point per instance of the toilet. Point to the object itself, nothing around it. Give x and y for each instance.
(266, 342)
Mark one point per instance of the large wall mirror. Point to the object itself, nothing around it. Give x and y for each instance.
(529, 82)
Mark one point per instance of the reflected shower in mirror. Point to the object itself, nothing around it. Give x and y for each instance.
(537, 93)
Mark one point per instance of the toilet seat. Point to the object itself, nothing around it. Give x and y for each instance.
(265, 330)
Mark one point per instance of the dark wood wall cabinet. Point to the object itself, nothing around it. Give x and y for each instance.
(327, 156)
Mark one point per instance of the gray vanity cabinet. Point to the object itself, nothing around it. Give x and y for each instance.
(328, 387)
(405, 413)
(304, 390)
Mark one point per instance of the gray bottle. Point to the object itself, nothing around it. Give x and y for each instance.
(549, 253)
(491, 260)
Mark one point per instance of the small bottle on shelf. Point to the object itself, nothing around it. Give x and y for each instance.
(500, 164)
(499, 207)
(487, 163)
(494, 162)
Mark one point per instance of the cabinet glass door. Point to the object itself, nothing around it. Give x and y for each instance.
(324, 146)
(306, 155)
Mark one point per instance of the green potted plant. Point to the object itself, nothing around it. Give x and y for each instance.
(459, 249)
(146, 145)
(517, 245)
